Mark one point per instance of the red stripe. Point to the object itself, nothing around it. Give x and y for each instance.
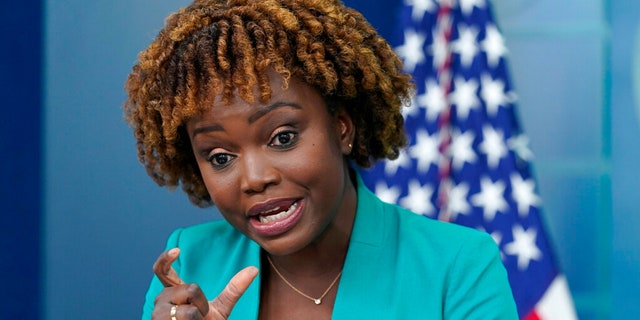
(445, 28)
(532, 316)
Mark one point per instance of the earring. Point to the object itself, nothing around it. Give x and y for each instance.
(350, 147)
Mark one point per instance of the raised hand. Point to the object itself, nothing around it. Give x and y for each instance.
(188, 299)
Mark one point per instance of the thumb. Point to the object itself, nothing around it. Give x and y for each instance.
(220, 307)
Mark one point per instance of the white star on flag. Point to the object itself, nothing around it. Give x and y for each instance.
(467, 5)
(419, 7)
(417, 200)
(461, 149)
(493, 145)
(466, 45)
(433, 100)
(425, 151)
(457, 203)
(523, 246)
(520, 146)
(490, 198)
(524, 194)
(493, 45)
(403, 160)
(493, 94)
(464, 97)
(412, 110)
(411, 51)
(386, 193)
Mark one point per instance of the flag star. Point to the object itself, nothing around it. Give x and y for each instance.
(466, 45)
(439, 49)
(493, 146)
(386, 194)
(391, 166)
(433, 99)
(490, 198)
(419, 7)
(493, 94)
(464, 96)
(461, 149)
(467, 5)
(520, 146)
(418, 198)
(493, 45)
(524, 194)
(523, 246)
(425, 150)
(411, 110)
(411, 51)
(457, 202)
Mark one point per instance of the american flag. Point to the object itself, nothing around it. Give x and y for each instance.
(468, 160)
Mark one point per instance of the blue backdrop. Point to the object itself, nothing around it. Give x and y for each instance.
(81, 223)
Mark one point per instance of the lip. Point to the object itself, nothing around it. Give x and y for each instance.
(278, 227)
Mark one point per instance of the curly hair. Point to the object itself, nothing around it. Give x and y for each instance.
(227, 47)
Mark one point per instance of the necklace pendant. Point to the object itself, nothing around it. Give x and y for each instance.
(317, 301)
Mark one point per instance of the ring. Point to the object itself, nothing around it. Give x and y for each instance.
(174, 310)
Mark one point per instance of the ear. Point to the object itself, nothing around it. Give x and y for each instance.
(346, 130)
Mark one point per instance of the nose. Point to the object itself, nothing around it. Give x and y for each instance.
(258, 172)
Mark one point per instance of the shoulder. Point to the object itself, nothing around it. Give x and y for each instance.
(212, 246)
(213, 231)
(425, 229)
(422, 239)
(211, 241)
(398, 222)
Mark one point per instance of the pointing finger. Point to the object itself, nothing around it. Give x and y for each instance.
(163, 269)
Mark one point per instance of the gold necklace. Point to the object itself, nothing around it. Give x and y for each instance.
(315, 300)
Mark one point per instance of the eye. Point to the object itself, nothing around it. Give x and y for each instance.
(220, 160)
(284, 139)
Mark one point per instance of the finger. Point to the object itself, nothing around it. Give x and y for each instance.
(182, 311)
(183, 295)
(197, 298)
(187, 311)
(163, 269)
(222, 305)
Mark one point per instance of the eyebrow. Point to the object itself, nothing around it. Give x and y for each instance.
(262, 112)
(253, 118)
(215, 127)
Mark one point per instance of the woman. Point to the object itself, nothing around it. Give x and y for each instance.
(261, 108)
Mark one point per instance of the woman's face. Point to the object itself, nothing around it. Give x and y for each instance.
(276, 171)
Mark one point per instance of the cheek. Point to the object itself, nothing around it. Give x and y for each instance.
(319, 163)
(220, 190)
(218, 186)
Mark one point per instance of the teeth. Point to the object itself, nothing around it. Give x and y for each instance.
(271, 210)
(279, 216)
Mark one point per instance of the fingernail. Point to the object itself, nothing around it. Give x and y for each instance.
(174, 252)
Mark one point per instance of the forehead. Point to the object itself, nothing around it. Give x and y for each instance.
(292, 92)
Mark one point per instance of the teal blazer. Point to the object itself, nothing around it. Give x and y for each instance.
(399, 265)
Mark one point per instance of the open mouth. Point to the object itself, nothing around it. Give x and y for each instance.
(277, 217)
(277, 214)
